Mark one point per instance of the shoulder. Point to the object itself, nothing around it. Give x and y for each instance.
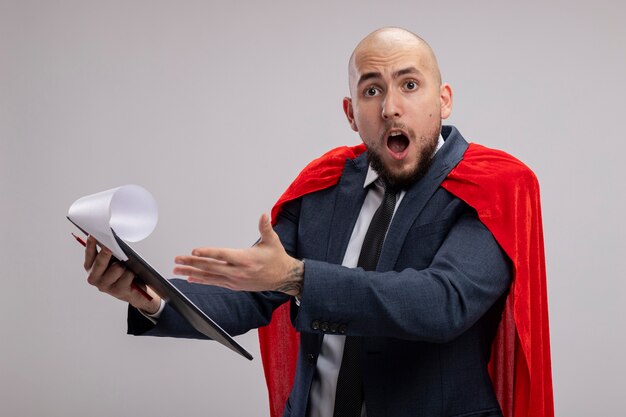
(324, 171)
(481, 161)
(319, 174)
(335, 158)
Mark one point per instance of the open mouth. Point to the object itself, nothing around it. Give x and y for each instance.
(397, 143)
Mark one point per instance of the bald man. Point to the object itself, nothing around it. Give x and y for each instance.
(403, 329)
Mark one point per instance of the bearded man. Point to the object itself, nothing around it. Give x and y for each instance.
(395, 283)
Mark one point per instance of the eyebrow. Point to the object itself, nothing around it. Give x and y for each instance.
(376, 74)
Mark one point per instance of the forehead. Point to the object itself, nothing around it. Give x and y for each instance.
(387, 56)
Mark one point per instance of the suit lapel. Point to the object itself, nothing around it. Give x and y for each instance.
(418, 195)
(349, 199)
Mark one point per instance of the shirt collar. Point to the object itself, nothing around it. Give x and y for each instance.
(373, 175)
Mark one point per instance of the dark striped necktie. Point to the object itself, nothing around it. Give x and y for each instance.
(349, 395)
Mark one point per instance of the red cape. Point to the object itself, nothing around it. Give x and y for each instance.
(505, 194)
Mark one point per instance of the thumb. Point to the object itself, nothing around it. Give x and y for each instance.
(265, 229)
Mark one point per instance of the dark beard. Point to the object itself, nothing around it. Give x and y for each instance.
(404, 181)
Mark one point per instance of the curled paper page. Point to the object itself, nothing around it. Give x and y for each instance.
(130, 211)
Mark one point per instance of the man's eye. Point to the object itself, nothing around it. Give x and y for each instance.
(410, 85)
(371, 92)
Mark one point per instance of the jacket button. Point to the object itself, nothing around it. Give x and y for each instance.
(310, 358)
(343, 328)
(315, 325)
(324, 326)
(334, 327)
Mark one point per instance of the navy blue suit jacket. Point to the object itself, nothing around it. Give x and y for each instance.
(427, 315)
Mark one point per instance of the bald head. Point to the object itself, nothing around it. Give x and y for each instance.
(388, 42)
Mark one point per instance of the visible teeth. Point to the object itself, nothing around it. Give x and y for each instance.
(395, 133)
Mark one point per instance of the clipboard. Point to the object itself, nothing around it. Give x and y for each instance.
(172, 295)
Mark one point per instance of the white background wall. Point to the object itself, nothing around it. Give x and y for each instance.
(203, 102)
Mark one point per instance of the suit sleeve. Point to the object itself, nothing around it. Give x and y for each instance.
(467, 275)
(235, 312)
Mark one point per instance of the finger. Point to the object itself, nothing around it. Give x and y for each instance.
(198, 276)
(241, 263)
(122, 285)
(90, 253)
(101, 262)
(215, 281)
(190, 271)
(201, 262)
(265, 229)
(231, 256)
(103, 280)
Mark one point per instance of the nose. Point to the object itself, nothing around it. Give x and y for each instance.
(391, 106)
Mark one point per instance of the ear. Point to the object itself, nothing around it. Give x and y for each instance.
(445, 96)
(348, 110)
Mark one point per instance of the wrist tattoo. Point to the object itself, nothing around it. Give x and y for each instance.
(294, 281)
